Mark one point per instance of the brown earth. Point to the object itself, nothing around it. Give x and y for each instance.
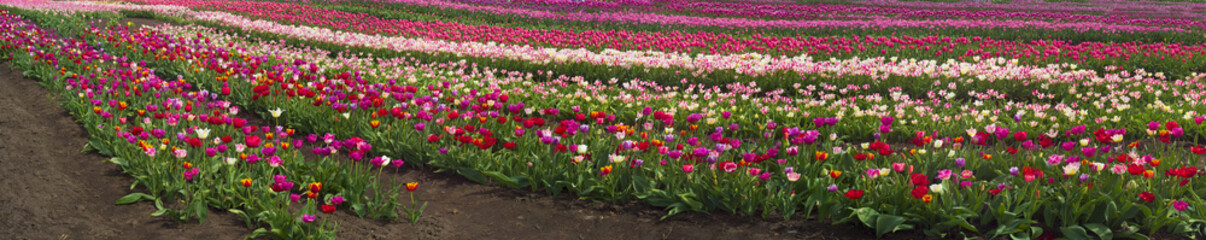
(50, 190)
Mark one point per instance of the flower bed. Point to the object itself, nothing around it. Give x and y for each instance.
(1121, 159)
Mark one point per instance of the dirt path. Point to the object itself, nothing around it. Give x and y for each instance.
(50, 190)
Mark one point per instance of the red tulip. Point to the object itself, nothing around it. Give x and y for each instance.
(315, 187)
(1198, 149)
(194, 142)
(1019, 136)
(920, 192)
(1147, 197)
(854, 194)
(860, 156)
(252, 141)
(918, 179)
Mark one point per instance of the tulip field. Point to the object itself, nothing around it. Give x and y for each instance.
(982, 119)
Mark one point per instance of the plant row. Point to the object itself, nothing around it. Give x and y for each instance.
(189, 149)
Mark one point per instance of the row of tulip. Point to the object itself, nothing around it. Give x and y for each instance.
(1148, 9)
(568, 5)
(867, 70)
(1173, 15)
(844, 22)
(1173, 58)
(422, 10)
(191, 150)
(775, 14)
(799, 11)
(387, 10)
(667, 41)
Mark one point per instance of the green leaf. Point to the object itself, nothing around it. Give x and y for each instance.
(160, 212)
(119, 161)
(133, 198)
(358, 209)
(642, 183)
(1182, 228)
(1012, 226)
(239, 213)
(1101, 230)
(886, 223)
(200, 210)
(882, 223)
(389, 215)
(1019, 236)
(1103, 212)
(502, 179)
(866, 215)
(556, 187)
(246, 219)
(1137, 208)
(100, 147)
(1132, 235)
(1075, 233)
(659, 201)
(262, 232)
(689, 199)
(472, 175)
(848, 218)
(961, 223)
(674, 209)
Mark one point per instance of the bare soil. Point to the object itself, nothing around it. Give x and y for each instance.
(51, 190)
